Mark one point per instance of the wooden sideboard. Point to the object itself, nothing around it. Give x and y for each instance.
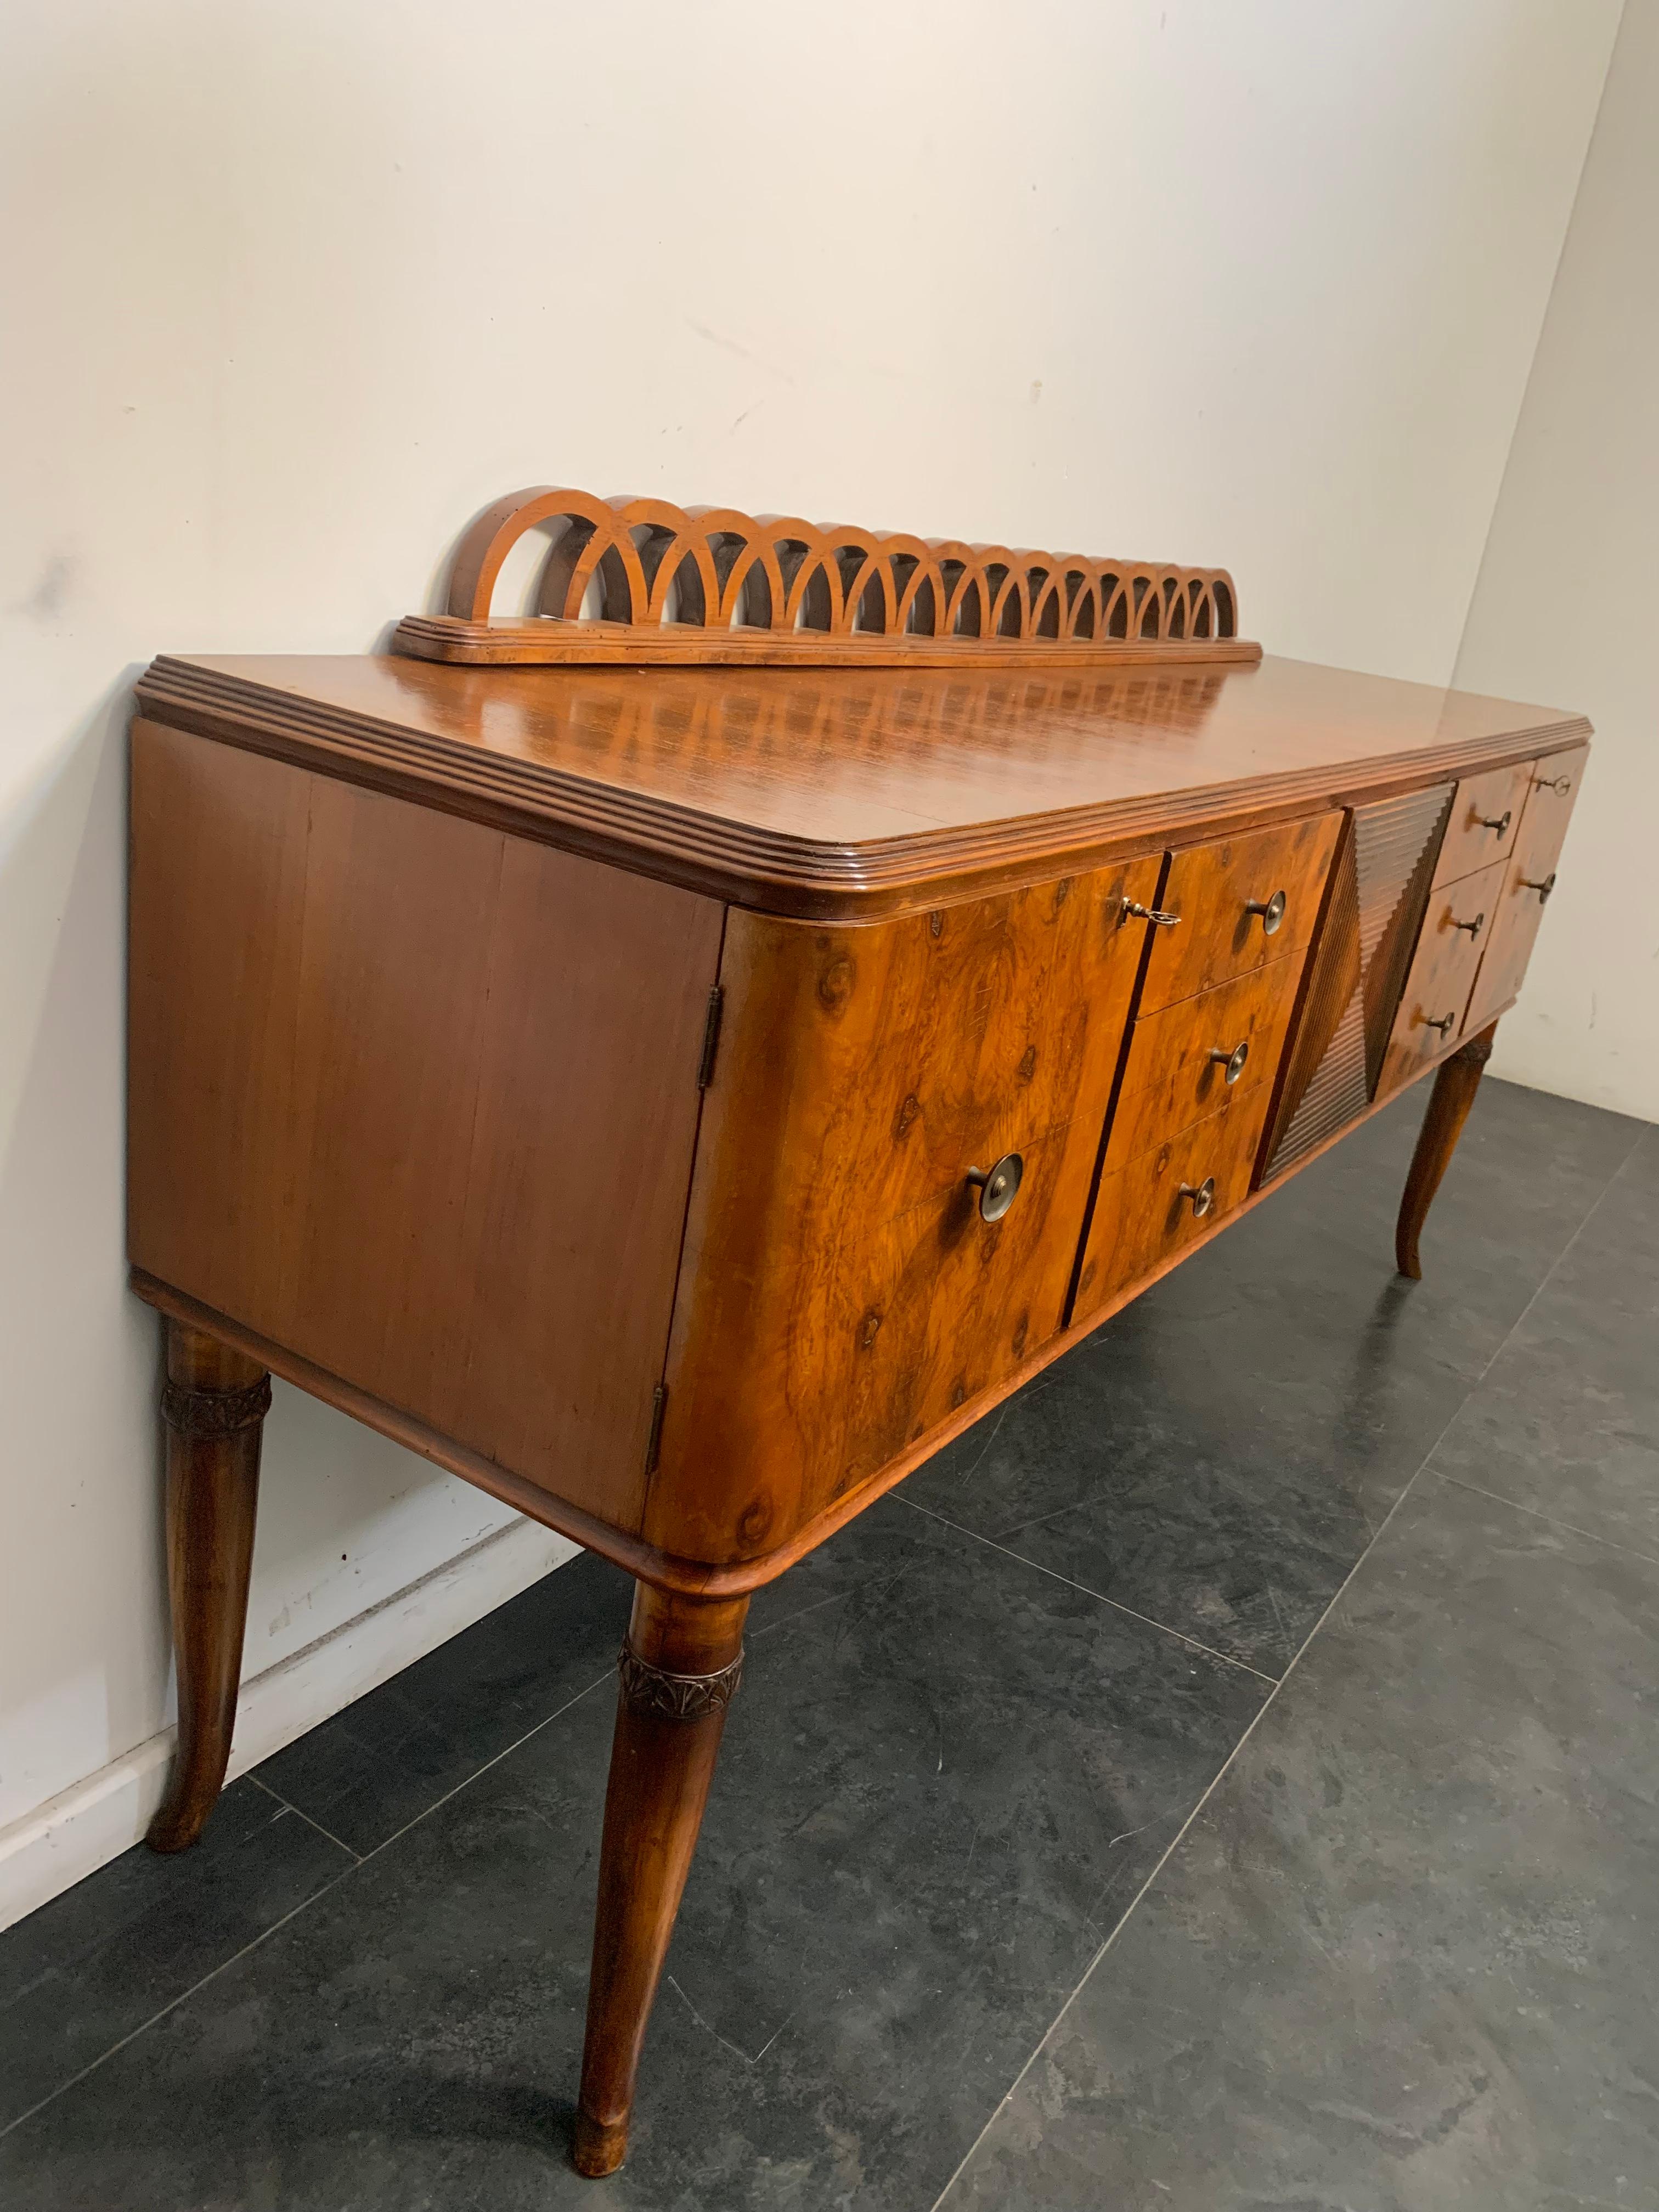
(679, 1098)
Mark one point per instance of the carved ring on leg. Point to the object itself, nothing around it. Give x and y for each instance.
(215, 1412)
(1456, 1081)
(647, 1689)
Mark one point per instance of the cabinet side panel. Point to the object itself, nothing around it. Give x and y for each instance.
(416, 1101)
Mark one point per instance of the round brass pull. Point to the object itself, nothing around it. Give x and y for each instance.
(1543, 890)
(1233, 1061)
(1446, 1023)
(1271, 910)
(1202, 1193)
(1560, 784)
(998, 1185)
(1473, 927)
(1500, 822)
(1133, 911)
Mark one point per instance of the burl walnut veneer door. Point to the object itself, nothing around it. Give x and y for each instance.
(415, 1101)
(841, 1293)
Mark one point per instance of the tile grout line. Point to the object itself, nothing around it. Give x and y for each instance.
(773, 1627)
(144, 2025)
(438, 1802)
(1163, 1627)
(356, 1857)
(1268, 1702)
(305, 1903)
(1551, 1520)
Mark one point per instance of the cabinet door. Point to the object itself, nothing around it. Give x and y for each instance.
(842, 1292)
(1528, 883)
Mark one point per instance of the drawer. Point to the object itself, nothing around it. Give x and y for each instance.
(1485, 819)
(1242, 902)
(1177, 1069)
(1528, 882)
(1147, 1213)
(1448, 952)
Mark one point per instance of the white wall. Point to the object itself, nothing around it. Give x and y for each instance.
(1567, 607)
(293, 288)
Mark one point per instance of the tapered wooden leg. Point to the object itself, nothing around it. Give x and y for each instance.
(1454, 1086)
(678, 1670)
(213, 1403)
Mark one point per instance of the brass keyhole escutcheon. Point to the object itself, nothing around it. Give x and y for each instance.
(1473, 927)
(1271, 910)
(1543, 890)
(998, 1185)
(1202, 1195)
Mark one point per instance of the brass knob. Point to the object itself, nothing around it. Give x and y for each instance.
(1560, 784)
(998, 1185)
(1233, 1061)
(1445, 1024)
(1202, 1193)
(1473, 927)
(1543, 890)
(1271, 910)
(1133, 911)
(1500, 822)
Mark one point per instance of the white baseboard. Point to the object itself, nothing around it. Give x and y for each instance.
(73, 1834)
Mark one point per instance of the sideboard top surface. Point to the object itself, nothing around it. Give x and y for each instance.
(835, 792)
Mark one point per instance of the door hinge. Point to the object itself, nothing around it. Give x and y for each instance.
(653, 1442)
(711, 1037)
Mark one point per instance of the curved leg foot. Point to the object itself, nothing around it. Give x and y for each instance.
(1454, 1086)
(678, 1670)
(213, 1402)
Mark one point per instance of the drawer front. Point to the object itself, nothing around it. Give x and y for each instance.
(1486, 820)
(1453, 939)
(842, 1292)
(1180, 1059)
(1145, 1212)
(1219, 892)
(1528, 883)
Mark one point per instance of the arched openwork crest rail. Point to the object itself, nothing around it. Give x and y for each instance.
(641, 580)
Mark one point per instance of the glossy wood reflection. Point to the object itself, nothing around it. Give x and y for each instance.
(845, 794)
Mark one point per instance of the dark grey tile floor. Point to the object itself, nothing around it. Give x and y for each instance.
(1070, 1846)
